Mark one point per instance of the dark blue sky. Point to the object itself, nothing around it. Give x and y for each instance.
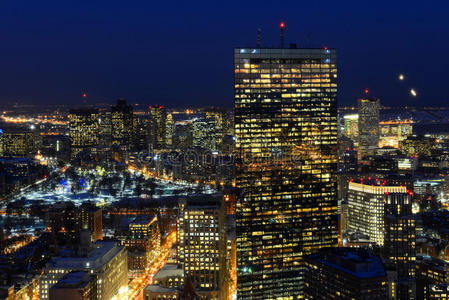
(180, 52)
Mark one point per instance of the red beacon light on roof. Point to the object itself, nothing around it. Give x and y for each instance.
(366, 91)
(282, 25)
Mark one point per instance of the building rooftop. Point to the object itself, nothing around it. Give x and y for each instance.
(432, 262)
(358, 262)
(100, 255)
(169, 270)
(159, 289)
(77, 279)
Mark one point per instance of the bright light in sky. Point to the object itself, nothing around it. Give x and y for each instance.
(401, 77)
(413, 93)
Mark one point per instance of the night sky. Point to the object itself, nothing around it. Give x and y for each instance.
(179, 53)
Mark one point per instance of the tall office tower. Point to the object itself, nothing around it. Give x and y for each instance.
(158, 117)
(141, 133)
(345, 273)
(368, 127)
(200, 223)
(182, 137)
(122, 119)
(105, 121)
(286, 146)
(84, 129)
(400, 241)
(351, 127)
(218, 117)
(169, 130)
(366, 207)
(204, 134)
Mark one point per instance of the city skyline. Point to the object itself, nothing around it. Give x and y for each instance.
(55, 52)
(327, 179)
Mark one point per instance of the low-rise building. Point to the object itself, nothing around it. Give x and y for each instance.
(345, 273)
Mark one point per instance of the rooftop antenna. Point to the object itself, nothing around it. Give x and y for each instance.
(282, 28)
(259, 31)
(84, 98)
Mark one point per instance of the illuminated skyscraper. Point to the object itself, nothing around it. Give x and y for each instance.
(122, 123)
(169, 130)
(368, 127)
(158, 125)
(400, 241)
(286, 145)
(200, 232)
(84, 129)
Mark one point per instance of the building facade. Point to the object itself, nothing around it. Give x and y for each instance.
(84, 129)
(158, 116)
(368, 127)
(105, 260)
(199, 226)
(286, 147)
(366, 207)
(345, 274)
(400, 241)
(122, 119)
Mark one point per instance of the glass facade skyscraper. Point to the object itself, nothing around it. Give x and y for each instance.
(286, 145)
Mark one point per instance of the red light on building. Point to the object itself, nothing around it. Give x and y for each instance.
(84, 95)
(325, 47)
(366, 91)
(282, 25)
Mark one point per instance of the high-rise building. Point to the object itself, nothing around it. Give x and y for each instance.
(84, 129)
(104, 260)
(182, 137)
(169, 130)
(200, 222)
(105, 121)
(351, 127)
(219, 118)
(400, 241)
(366, 207)
(18, 142)
(122, 119)
(158, 117)
(204, 134)
(368, 127)
(89, 216)
(345, 274)
(286, 147)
